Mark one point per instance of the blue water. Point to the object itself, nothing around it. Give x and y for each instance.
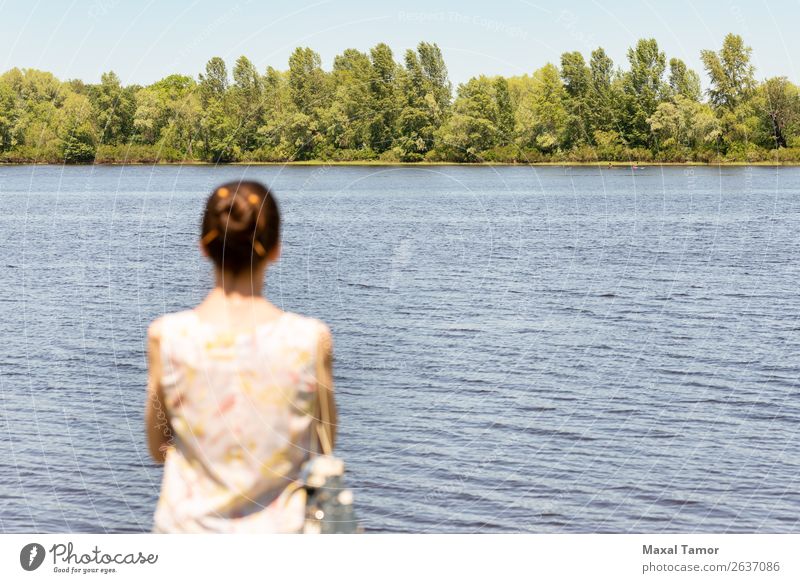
(517, 349)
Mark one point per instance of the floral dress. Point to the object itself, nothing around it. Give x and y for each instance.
(241, 408)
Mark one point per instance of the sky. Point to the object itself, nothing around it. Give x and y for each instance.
(145, 40)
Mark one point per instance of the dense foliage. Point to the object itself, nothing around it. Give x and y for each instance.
(370, 107)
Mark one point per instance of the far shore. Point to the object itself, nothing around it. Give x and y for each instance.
(323, 163)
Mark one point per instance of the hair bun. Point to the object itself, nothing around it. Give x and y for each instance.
(236, 217)
(241, 225)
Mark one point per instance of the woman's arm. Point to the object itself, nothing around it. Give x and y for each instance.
(325, 386)
(157, 426)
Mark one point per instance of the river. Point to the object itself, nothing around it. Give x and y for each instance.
(552, 349)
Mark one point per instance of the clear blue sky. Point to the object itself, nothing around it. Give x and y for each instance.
(145, 40)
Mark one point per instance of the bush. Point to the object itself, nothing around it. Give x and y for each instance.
(411, 157)
(676, 153)
(638, 155)
(78, 146)
(786, 155)
(349, 155)
(531, 156)
(390, 156)
(48, 153)
(266, 154)
(137, 154)
(443, 155)
(584, 153)
(745, 152)
(21, 155)
(446, 153)
(509, 154)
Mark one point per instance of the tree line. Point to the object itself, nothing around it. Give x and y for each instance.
(372, 107)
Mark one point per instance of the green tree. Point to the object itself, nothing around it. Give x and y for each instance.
(114, 109)
(214, 84)
(278, 113)
(474, 125)
(577, 84)
(505, 112)
(684, 81)
(168, 115)
(35, 99)
(684, 127)
(730, 71)
(644, 88)
(426, 100)
(369, 106)
(435, 73)
(218, 127)
(349, 119)
(247, 95)
(602, 101)
(76, 130)
(308, 90)
(306, 80)
(385, 90)
(8, 114)
(742, 131)
(778, 104)
(542, 115)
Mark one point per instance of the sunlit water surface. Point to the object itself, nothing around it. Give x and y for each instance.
(517, 349)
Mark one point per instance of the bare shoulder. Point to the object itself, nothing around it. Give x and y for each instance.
(316, 330)
(155, 330)
(158, 327)
(309, 324)
(325, 335)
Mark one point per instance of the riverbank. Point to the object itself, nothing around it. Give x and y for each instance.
(325, 163)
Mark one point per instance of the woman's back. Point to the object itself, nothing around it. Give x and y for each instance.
(241, 405)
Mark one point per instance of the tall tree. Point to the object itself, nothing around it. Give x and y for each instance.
(247, 94)
(542, 115)
(731, 73)
(435, 74)
(505, 112)
(114, 108)
(218, 124)
(474, 125)
(778, 104)
(279, 111)
(168, 115)
(351, 112)
(683, 81)
(684, 127)
(306, 80)
(426, 100)
(385, 97)
(577, 84)
(36, 99)
(214, 84)
(8, 115)
(644, 88)
(308, 91)
(76, 130)
(601, 101)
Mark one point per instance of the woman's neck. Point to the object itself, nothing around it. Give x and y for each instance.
(246, 284)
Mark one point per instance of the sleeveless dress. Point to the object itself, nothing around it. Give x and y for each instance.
(241, 408)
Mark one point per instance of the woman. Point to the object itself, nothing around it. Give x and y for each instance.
(235, 385)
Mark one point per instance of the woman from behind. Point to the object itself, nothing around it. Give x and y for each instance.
(235, 385)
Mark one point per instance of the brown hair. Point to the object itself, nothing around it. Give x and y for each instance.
(241, 225)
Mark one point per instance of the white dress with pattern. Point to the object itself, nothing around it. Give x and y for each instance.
(241, 408)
